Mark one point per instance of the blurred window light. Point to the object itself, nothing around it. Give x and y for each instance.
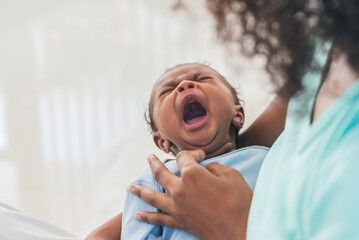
(8, 183)
(4, 140)
(89, 125)
(60, 125)
(74, 127)
(45, 124)
(39, 50)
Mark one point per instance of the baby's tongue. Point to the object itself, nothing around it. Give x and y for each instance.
(194, 113)
(195, 120)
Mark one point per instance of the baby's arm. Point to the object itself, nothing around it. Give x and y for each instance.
(268, 126)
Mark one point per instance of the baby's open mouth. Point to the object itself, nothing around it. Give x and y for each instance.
(193, 110)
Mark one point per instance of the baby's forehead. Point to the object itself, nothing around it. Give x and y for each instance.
(184, 71)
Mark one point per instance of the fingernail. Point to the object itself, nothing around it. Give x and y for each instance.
(138, 217)
(132, 190)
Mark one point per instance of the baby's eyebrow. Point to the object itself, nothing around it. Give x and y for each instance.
(191, 76)
(197, 74)
(173, 82)
(169, 83)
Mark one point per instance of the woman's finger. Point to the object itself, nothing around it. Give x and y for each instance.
(152, 197)
(159, 171)
(191, 171)
(158, 218)
(188, 159)
(215, 168)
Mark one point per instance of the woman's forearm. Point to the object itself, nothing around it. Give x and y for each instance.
(111, 230)
(268, 125)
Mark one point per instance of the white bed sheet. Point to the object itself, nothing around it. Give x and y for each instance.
(16, 225)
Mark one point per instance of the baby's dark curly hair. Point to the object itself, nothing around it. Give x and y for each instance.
(284, 32)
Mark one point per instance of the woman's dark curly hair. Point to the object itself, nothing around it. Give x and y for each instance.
(283, 31)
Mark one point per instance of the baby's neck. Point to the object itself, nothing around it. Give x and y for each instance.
(225, 148)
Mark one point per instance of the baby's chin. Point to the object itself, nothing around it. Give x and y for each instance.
(199, 139)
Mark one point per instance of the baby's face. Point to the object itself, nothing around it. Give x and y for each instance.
(193, 109)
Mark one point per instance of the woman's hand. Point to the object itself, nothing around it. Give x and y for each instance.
(110, 230)
(209, 203)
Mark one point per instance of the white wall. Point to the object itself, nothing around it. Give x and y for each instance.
(75, 78)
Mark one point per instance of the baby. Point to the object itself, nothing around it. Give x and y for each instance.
(192, 107)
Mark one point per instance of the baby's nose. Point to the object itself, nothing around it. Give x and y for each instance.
(185, 85)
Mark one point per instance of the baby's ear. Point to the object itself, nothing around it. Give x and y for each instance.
(238, 117)
(161, 143)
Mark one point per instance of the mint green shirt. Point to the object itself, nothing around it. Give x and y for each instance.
(308, 186)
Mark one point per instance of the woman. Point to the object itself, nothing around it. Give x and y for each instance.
(308, 186)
